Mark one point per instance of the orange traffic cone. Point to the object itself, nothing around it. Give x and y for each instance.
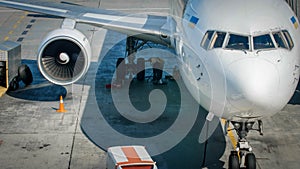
(61, 106)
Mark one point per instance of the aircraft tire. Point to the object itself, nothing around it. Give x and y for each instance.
(25, 74)
(141, 68)
(14, 84)
(250, 161)
(233, 161)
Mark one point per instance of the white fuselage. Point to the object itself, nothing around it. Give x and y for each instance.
(236, 82)
(238, 58)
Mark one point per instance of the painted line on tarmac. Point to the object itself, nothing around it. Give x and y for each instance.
(230, 134)
(15, 26)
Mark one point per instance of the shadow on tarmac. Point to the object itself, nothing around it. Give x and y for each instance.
(295, 100)
(40, 89)
(105, 126)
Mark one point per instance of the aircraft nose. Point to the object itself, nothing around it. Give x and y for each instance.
(256, 83)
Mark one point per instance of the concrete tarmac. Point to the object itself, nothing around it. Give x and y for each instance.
(33, 135)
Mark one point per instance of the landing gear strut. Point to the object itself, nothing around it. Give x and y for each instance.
(136, 67)
(243, 155)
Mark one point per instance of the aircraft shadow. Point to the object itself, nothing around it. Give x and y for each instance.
(296, 97)
(40, 89)
(105, 126)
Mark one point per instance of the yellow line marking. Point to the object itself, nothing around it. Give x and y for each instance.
(232, 139)
(15, 26)
(230, 135)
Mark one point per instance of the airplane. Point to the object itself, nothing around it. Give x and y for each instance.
(239, 59)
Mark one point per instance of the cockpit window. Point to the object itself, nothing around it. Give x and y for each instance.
(270, 40)
(207, 38)
(280, 40)
(263, 42)
(213, 39)
(238, 42)
(288, 39)
(218, 39)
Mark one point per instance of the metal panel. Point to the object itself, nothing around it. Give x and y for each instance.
(10, 53)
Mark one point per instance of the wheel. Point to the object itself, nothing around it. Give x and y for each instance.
(14, 84)
(25, 74)
(141, 68)
(233, 161)
(121, 69)
(250, 161)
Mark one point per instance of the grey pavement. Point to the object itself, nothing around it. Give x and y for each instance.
(33, 135)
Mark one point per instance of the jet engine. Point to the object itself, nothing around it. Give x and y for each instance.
(64, 56)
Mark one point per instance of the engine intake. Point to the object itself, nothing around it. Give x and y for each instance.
(64, 56)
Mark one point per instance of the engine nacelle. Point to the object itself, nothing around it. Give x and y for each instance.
(64, 56)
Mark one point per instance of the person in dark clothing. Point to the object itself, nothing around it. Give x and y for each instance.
(158, 66)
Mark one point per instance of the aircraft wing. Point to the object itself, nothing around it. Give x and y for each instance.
(146, 27)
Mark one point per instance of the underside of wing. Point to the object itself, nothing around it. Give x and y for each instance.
(143, 26)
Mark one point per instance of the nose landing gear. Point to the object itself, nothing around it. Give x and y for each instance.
(243, 155)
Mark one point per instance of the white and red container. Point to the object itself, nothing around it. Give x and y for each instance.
(129, 157)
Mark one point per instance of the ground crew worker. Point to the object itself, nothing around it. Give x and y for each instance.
(158, 66)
